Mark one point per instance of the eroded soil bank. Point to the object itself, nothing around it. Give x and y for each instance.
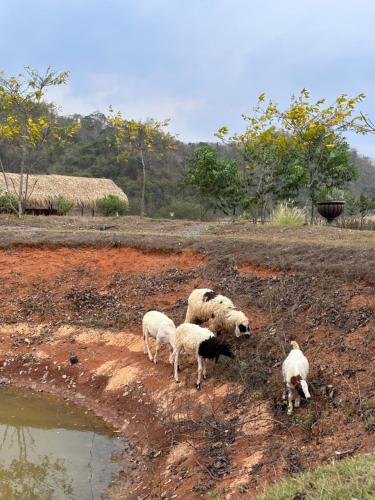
(232, 437)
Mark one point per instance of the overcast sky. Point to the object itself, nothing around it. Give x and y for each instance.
(199, 62)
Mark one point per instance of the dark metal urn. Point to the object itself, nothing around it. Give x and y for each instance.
(330, 209)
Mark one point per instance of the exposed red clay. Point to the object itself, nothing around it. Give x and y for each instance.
(258, 271)
(116, 380)
(37, 263)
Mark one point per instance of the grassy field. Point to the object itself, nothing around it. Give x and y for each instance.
(346, 480)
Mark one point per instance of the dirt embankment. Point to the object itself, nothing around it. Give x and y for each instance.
(232, 437)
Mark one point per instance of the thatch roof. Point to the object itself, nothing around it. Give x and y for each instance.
(44, 189)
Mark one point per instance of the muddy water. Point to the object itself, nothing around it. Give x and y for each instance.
(50, 449)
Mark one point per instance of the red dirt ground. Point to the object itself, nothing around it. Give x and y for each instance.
(115, 379)
(259, 271)
(35, 263)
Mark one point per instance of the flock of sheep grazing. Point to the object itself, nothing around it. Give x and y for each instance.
(204, 305)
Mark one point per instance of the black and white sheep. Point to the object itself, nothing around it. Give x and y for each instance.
(157, 324)
(295, 370)
(205, 305)
(200, 342)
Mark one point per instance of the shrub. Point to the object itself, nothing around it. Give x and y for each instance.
(330, 194)
(361, 205)
(111, 205)
(8, 202)
(286, 215)
(63, 205)
(181, 210)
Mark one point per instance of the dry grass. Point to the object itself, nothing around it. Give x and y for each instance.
(286, 215)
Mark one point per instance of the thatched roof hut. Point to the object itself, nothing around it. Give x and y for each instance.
(42, 190)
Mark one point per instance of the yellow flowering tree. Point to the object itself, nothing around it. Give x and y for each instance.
(301, 146)
(143, 140)
(272, 170)
(27, 122)
(318, 129)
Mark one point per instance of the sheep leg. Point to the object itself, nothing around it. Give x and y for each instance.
(200, 369)
(284, 393)
(176, 365)
(297, 400)
(290, 402)
(147, 347)
(144, 340)
(204, 369)
(156, 349)
(171, 354)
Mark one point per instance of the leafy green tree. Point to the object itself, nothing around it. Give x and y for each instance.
(273, 170)
(111, 205)
(216, 180)
(27, 122)
(144, 141)
(315, 129)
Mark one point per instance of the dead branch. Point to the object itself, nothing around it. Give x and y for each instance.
(369, 123)
(342, 454)
(32, 190)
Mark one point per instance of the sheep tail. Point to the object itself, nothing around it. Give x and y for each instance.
(294, 344)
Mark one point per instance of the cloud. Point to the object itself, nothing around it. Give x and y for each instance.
(200, 62)
(134, 98)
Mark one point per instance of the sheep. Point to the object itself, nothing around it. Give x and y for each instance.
(205, 305)
(158, 325)
(200, 342)
(295, 370)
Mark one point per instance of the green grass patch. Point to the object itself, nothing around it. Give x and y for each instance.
(344, 480)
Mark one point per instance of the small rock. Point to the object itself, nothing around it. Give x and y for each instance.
(73, 359)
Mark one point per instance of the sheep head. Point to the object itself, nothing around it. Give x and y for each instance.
(212, 348)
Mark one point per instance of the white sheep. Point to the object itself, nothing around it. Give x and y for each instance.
(157, 324)
(205, 305)
(200, 342)
(295, 370)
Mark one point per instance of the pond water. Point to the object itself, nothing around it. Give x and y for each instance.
(52, 449)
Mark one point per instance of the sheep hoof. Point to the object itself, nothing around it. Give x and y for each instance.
(177, 381)
(198, 386)
(290, 411)
(155, 361)
(204, 377)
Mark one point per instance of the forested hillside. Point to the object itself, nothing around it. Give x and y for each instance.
(92, 153)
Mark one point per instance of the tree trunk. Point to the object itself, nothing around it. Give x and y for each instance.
(20, 193)
(311, 194)
(143, 185)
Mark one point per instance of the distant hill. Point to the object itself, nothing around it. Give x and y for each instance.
(92, 154)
